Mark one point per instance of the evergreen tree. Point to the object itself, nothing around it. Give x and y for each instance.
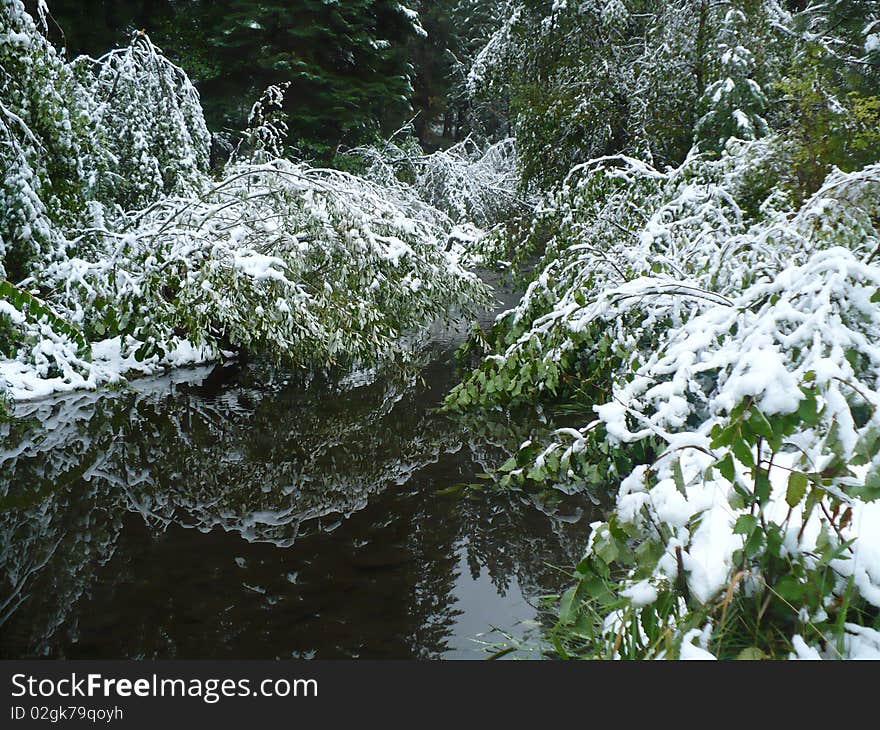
(431, 55)
(732, 106)
(347, 63)
(601, 77)
(849, 31)
(831, 93)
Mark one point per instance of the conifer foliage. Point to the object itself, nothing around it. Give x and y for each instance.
(732, 106)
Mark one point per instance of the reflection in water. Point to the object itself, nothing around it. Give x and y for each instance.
(241, 513)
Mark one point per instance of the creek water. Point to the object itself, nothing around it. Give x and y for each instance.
(247, 512)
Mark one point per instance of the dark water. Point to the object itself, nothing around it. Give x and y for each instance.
(246, 513)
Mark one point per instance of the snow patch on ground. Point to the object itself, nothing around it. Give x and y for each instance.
(24, 382)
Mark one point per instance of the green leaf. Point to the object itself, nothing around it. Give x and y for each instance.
(678, 477)
(774, 539)
(753, 543)
(743, 452)
(797, 488)
(726, 467)
(567, 605)
(745, 524)
(724, 436)
(606, 548)
(537, 474)
(508, 465)
(808, 409)
(867, 445)
(870, 491)
(751, 653)
(760, 425)
(762, 486)
(790, 588)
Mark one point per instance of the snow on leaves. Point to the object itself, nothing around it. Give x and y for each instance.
(731, 354)
(123, 254)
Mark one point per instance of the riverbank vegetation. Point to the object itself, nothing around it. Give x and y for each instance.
(708, 294)
(699, 184)
(122, 252)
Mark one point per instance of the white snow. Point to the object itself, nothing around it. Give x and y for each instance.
(640, 594)
(26, 382)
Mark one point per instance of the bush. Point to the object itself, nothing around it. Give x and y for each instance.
(123, 255)
(727, 354)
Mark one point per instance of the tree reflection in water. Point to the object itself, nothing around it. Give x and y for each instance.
(243, 513)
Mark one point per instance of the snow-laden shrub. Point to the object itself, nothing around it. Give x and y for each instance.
(471, 184)
(147, 117)
(610, 224)
(123, 255)
(308, 265)
(44, 140)
(731, 356)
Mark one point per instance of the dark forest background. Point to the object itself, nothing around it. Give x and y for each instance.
(357, 69)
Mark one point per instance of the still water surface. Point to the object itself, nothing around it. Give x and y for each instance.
(241, 512)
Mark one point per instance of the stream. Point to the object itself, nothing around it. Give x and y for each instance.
(240, 511)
